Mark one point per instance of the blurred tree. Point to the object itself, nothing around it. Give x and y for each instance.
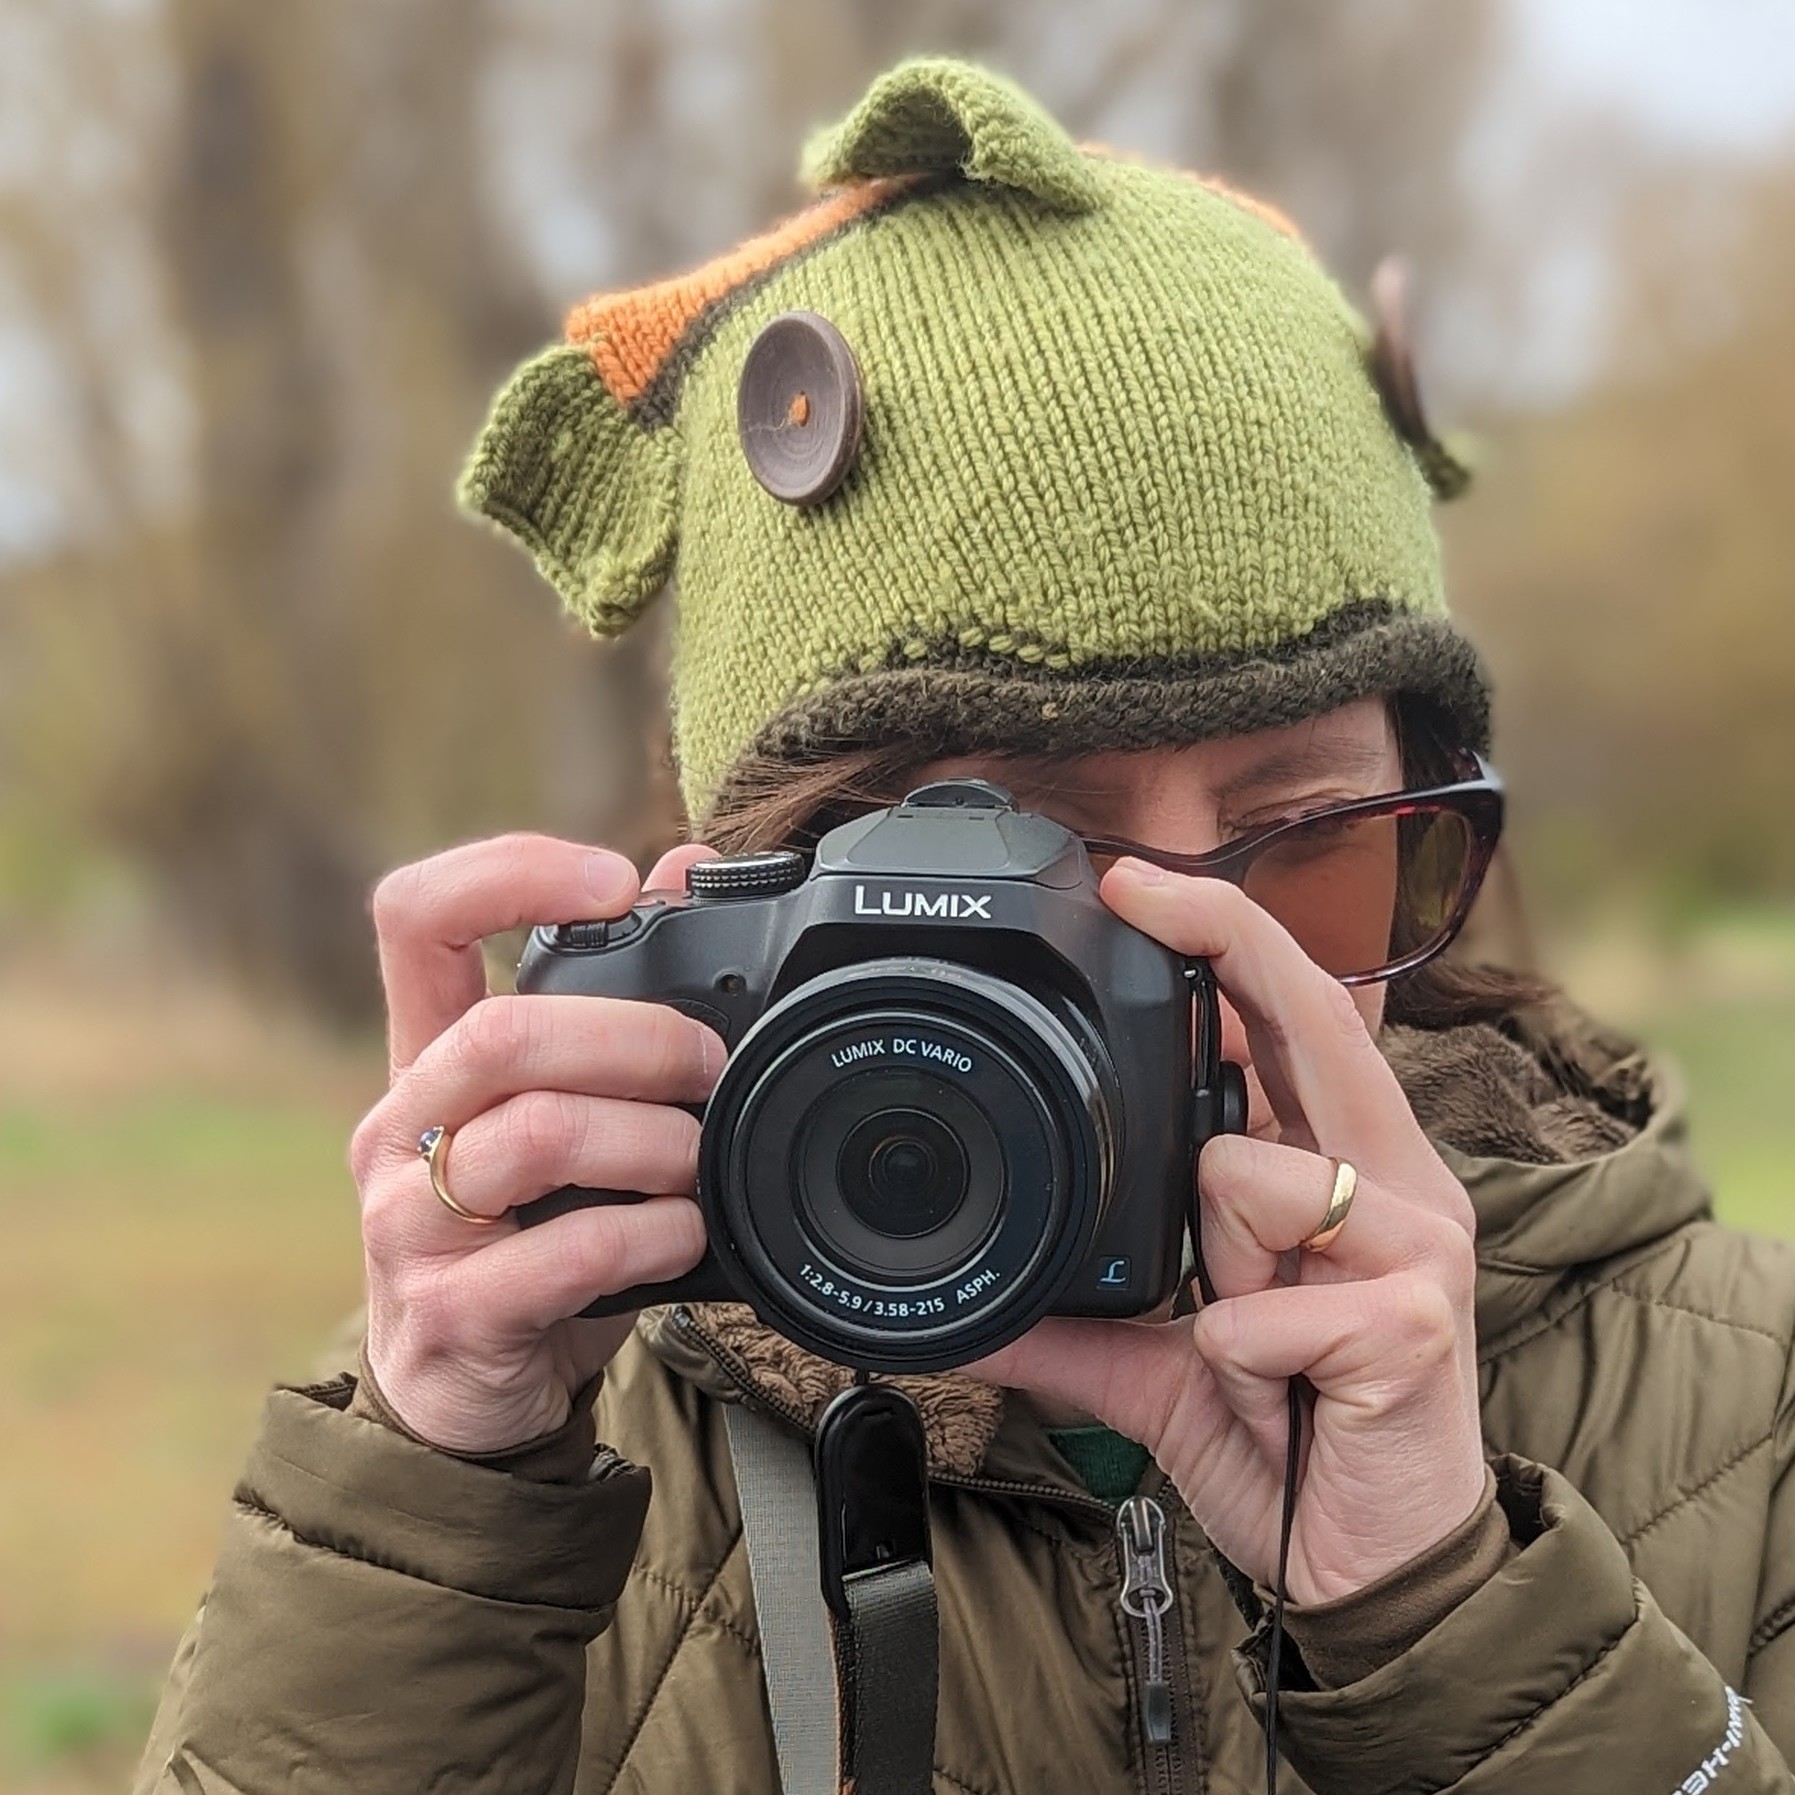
(263, 658)
(1631, 568)
(313, 668)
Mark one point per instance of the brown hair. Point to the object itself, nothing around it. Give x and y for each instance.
(782, 803)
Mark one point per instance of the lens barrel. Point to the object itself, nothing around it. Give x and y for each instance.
(906, 1159)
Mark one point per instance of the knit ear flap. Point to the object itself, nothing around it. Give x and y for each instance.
(933, 116)
(592, 493)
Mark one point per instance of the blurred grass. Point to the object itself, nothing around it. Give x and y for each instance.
(1740, 1059)
(1718, 997)
(180, 1232)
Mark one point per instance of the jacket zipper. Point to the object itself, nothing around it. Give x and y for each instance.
(1150, 1620)
(1157, 1645)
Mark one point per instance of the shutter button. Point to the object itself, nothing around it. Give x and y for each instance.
(798, 408)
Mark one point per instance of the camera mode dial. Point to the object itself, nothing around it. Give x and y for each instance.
(746, 875)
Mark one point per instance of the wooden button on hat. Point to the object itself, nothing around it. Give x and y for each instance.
(798, 408)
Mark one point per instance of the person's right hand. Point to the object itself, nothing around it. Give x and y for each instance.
(473, 1332)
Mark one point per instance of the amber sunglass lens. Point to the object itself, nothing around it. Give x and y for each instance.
(1362, 893)
(1439, 848)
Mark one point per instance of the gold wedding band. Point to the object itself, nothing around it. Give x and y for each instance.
(433, 1146)
(1346, 1182)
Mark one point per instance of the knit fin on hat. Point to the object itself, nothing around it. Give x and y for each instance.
(1446, 462)
(936, 116)
(589, 492)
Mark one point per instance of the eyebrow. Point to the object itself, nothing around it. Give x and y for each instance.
(1042, 780)
(1311, 760)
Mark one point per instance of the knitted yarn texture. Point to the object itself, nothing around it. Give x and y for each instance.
(1125, 476)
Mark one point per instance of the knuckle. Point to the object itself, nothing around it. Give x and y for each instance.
(520, 851)
(385, 1223)
(669, 1143)
(544, 1130)
(1341, 1013)
(379, 1145)
(396, 899)
(1454, 1259)
(1213, 1332)
(1461, 1213)
(1224, 1160)
(1421, 1317)
(495, 1031)
(670, 1045)
(366, 1146)
(600, 1247)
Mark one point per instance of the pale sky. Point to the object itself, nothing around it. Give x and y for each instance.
(1716, 72)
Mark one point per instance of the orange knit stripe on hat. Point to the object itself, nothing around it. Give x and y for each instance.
(1265, 212)
(632, 336)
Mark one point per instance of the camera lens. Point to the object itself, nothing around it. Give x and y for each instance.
(905, 1159)
(899, 1173)
(902, 1173)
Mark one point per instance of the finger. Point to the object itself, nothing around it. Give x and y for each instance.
(530, 1145)
(1258, 1201)
(1261, 1122)
(1330, 1087)
(1371, 1347)
(541, 1140)
(584, 1046)
(430, 919)
(530, 1279)
(1132, 1376)
(669, 872)
(1390, 1360)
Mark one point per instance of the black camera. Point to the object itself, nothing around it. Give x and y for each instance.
(961, 1094)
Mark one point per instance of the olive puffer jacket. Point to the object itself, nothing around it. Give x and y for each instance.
(386, 1617)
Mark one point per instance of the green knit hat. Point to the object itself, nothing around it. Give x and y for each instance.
(1075, 453)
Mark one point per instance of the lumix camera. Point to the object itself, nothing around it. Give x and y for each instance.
(961, 1094)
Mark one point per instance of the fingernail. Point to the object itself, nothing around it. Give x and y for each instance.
(609, 876)
(1143, 872)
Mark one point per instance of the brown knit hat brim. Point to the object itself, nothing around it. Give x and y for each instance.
(959, 703)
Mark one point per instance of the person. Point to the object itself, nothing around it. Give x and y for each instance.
(1018, 459)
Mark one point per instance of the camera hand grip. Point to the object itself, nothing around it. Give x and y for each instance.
(568, 1198)
(702, 1284)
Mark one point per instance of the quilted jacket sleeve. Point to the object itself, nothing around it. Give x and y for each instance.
(383, 1616)
(1559, 1674)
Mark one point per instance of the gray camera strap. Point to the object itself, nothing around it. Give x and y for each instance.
(778, 1497)
(851, 1703)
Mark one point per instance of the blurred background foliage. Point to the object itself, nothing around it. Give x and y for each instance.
(261, 268)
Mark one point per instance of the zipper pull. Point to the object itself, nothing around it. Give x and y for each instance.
(1146, 1595)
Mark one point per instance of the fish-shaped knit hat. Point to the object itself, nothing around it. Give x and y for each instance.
(1001, 444)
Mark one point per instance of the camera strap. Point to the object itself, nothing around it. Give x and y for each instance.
(838, 1552)
(773, 1481)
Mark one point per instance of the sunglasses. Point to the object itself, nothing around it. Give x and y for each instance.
(1368, 889)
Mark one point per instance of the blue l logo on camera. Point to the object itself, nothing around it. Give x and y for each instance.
(1115, 1272)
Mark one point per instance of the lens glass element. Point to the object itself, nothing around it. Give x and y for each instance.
(902, 1173)
(899, 1174)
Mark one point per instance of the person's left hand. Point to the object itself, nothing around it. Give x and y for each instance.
(1380, 1323)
